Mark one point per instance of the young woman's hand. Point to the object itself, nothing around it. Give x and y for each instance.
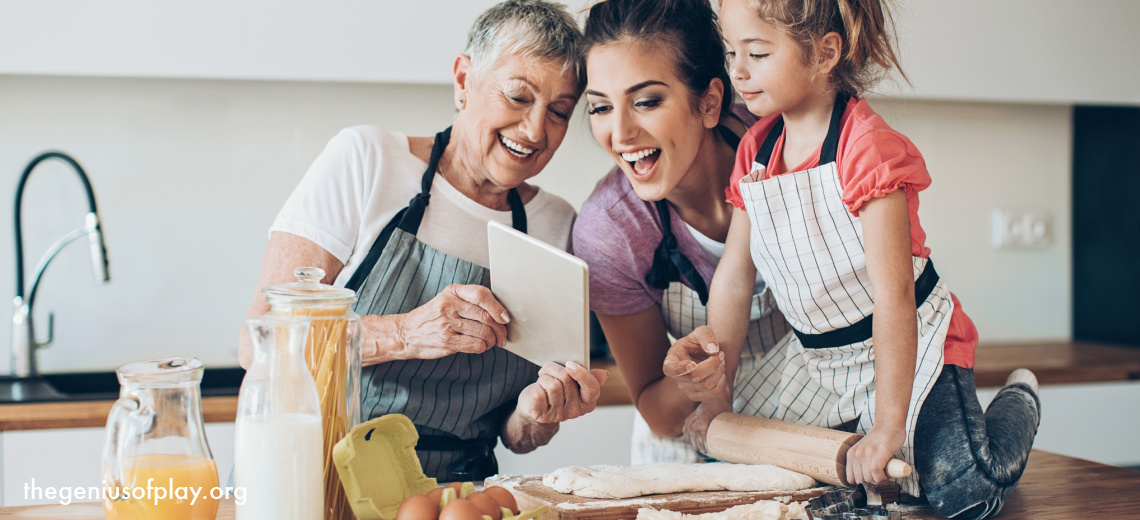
(697, 424)
(696, 364)
(867, 459)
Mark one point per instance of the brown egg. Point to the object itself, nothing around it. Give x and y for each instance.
(487, 505)
(503, 497)
(418, 507)
(460, 509)
(435, 495)
(456, 486)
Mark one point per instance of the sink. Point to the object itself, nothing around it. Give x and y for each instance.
(95, 386)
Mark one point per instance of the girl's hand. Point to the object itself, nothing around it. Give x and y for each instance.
(696, 364)
(561, 393)
(867, 459)
(697, 424)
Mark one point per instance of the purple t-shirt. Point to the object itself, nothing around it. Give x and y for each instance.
(616, 233)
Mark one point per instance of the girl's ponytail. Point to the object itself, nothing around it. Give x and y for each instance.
(869, 43)
(866, 26)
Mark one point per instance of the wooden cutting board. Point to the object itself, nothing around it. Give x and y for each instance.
(530, 493)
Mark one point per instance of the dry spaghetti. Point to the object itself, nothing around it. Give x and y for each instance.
(328, 355)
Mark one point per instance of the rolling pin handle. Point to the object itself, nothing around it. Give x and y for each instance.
(898, 469)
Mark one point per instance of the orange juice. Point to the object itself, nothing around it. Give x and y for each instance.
(182, 474)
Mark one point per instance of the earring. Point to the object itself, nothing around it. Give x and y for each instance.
(461, 103)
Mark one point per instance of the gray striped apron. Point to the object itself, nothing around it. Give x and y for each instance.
(458, 403)
(810, 250)
(683, 310)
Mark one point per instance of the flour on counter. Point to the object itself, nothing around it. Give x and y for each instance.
(615, 481)
(762, 510)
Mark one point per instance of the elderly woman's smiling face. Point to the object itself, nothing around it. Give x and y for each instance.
(514, 115)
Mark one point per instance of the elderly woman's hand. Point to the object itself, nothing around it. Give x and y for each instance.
(561, 393)
(696, 364)
(461, 318)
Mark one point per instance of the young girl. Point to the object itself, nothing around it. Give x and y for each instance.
(826, 198)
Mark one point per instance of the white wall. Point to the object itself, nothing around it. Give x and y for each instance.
(190, 173)
(986, 156)
(1057, 51)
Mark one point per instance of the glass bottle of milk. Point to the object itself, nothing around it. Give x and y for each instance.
(279, 452)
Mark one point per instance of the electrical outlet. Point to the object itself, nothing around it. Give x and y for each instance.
(1021, 229)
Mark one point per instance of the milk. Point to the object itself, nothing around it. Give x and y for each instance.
(278, 459)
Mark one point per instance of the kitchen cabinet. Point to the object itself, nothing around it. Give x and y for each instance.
(72, 458)
(1050, 51)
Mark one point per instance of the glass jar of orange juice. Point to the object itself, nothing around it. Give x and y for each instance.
(156, 462)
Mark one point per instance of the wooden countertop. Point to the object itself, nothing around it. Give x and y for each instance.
(1054, 363)
(1054, 487)
(86, 414)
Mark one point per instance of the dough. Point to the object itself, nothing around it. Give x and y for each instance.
(762, 510)
(612, 481)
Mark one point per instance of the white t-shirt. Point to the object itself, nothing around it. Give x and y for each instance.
(715, 251)
(365, 175)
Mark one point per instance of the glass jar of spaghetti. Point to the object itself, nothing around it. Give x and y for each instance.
(332, 353)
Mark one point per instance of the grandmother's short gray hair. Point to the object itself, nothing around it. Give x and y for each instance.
(536, 28)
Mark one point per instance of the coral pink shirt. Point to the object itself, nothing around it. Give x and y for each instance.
(873, 160)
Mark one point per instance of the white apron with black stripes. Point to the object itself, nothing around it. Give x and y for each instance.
(458, 403)
(683, 310)
(809, 249)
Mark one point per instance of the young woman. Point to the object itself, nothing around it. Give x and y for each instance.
(660, 104)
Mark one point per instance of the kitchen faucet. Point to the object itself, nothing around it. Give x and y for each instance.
(24, 344)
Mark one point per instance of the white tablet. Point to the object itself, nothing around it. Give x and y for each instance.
(547, 293)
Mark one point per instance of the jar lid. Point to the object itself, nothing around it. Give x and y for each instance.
(166, 371)
(308, 290)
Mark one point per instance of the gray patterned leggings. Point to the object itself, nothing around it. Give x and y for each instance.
(968, 461)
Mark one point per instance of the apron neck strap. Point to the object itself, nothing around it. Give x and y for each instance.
(669, 265)
(830, 149)
(413, 215)
(729, 136)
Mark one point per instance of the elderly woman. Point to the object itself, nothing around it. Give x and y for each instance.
(430, 323)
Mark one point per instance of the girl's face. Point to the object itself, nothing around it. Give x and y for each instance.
(765, 64)
(643, 115)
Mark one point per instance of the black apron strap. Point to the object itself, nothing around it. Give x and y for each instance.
(862, 330)
(830, 149)
(669, 265)
(729, 136)
(764, 154)
(410, 218)
(518, 213)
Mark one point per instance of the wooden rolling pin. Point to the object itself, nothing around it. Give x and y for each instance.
(817, 452)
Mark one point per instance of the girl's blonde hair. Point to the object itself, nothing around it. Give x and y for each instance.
(865, 26)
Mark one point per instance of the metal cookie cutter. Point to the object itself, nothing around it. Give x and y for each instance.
(862, 503)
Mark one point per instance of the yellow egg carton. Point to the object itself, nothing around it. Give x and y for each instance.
(378, 466)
